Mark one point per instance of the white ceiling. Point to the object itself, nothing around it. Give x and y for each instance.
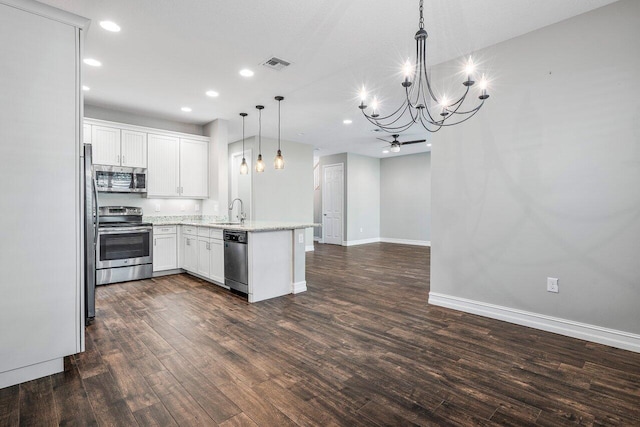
(170, 52)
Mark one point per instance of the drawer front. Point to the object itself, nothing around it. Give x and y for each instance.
(189, 229)
(166, 229)
(216, 233)
(203, 231)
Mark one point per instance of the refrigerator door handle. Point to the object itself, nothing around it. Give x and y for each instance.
(94, 214)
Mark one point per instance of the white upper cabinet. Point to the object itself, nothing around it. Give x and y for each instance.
(163, 173)
(116, 147)
(133, 149)
(176, 166)
(193, 168)
(106, 145)
(86, 134)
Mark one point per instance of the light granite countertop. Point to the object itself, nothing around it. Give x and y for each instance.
(253, 226)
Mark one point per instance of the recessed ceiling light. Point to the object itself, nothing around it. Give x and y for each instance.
(212, 93)
(110, 26)
(86, 88)
(347, 121)
(92, 62)
(186, 109)
(300, 133)
(428, 145)
(246, 72)
(385, 151)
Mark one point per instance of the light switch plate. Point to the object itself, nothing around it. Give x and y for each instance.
(300, 238)
(552, 285)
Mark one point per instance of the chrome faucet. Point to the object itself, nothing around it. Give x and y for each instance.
(241, 216)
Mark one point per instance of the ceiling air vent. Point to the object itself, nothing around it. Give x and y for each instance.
(276, 63)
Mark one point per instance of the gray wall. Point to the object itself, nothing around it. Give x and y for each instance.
(405, 194)
(281, 195)
(102, 113)
(544, 180)
(363, 197)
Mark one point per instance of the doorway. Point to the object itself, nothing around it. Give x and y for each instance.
(333, 203)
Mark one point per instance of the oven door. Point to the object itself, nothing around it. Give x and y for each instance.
(124, 246)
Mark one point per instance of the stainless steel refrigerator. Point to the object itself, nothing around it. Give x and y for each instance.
(90, 236)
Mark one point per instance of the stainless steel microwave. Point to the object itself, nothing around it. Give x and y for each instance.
(119, 179)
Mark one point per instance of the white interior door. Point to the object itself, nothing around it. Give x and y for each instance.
(332, 203)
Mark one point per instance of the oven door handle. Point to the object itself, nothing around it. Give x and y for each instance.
(120, 230)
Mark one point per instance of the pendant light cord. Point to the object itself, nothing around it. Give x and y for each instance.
(259, 131)
(279, 102)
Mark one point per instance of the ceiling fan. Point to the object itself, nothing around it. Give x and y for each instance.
(394, 146)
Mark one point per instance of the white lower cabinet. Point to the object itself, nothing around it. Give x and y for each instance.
(165, 248)
(203, 252)
(190, 253)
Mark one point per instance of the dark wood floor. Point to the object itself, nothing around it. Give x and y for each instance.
(361, 347)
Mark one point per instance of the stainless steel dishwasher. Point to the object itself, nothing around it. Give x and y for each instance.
(236, 263)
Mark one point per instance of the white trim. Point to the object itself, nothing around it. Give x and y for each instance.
(309, 248)
(298, 287)
(406, 241)
(583, 331)
(144, 129)
(360, 242)
(31, 372)
(49, 12)
(317, 239)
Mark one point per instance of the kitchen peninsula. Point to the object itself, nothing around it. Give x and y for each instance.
(275, 252)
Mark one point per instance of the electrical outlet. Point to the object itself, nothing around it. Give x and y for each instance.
(552, 285)
(300, 238)
(157, 207)
(182, 208)
(361, 229)
(197, 207)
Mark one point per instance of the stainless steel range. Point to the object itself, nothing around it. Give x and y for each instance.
(124, 250)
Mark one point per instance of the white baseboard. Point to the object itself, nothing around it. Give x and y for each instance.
(360, 242)
(299, 287)
(32, 372)
(583, 331)
(317, 239)
(406, 241)
(308, 248)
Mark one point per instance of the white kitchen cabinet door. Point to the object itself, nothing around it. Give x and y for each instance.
(204, 259)
(86, 134)
(216, 268)
(163, 164)
(106, 145)
(193, 169)
(165, 252)
(133, 149)
(190, 253)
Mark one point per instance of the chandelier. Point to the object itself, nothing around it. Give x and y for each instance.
(421, 103)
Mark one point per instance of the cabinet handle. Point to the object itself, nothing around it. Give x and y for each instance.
(118, 158)
(123, 161)
(208, 247)
(178, 190)
(188, 242)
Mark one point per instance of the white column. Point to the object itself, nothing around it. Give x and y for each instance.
(217, 131)
(299, 282)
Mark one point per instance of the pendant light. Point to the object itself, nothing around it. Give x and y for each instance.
(260, 163)
(244, 167)
(278, 162)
